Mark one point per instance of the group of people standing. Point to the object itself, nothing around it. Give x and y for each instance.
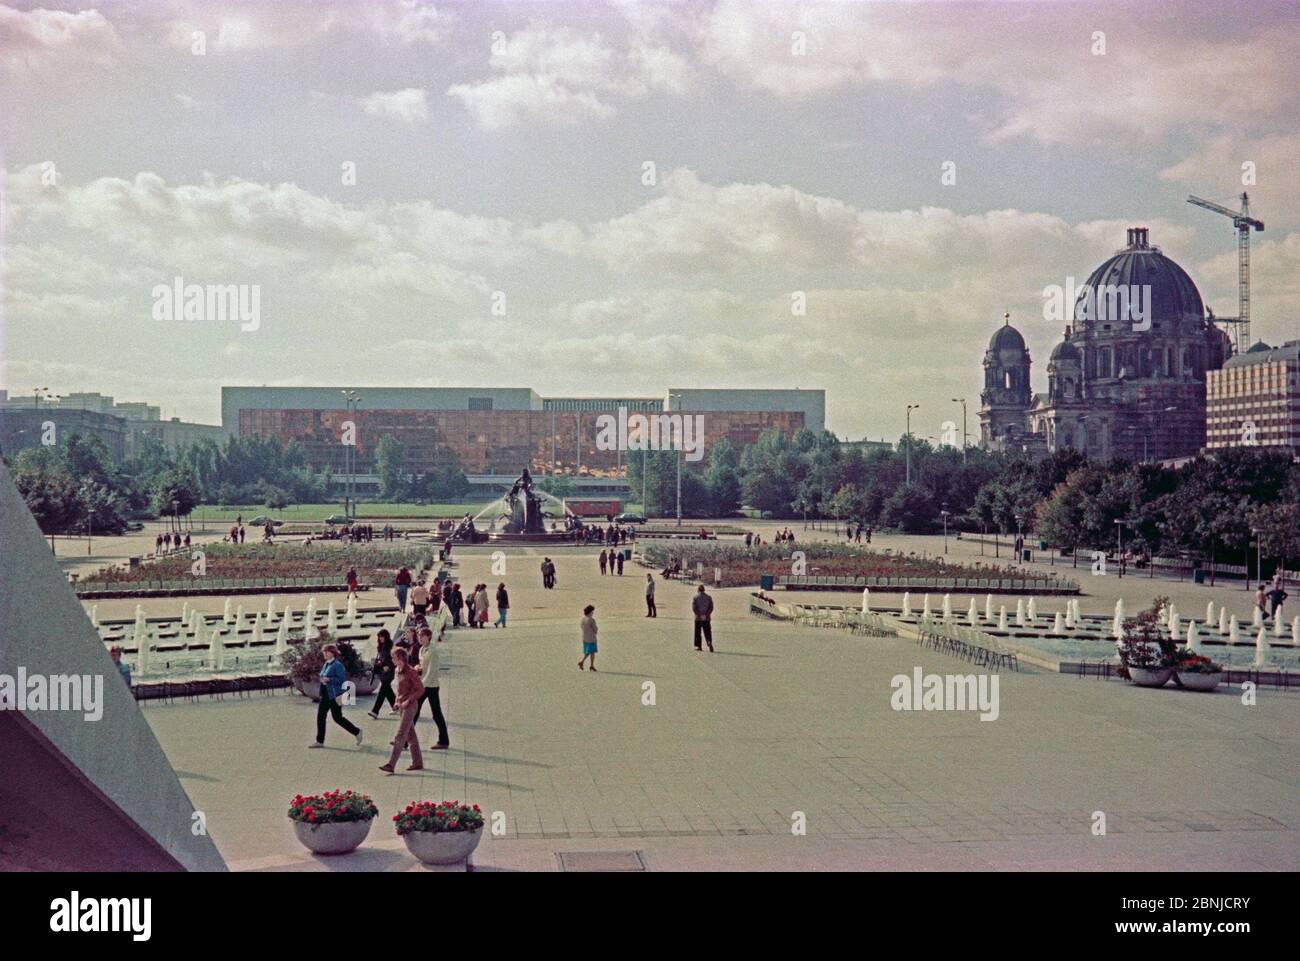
(1270, 597)
(170, 541)
(610, 560)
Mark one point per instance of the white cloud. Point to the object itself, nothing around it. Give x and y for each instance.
(562, 76)
(410, 105)
(32, 40)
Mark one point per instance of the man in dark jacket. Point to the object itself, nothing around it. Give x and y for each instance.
(702, 607)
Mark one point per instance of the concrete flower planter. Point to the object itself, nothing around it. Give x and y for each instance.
(1200, 682)
(364, 686)
(442, 847)
(338, 837)
(1148, 677)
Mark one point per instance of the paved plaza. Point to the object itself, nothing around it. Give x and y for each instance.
(782, 719)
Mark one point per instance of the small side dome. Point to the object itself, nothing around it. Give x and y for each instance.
(1066, 352)
(1007, 337)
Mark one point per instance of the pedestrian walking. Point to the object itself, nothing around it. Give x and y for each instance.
(402, 584)
(620, 563)
(385, 669)
(481, 605)
(353, 582)
(702, 607)
(457, 604)
(603, 561)
(471, 600)
(429, 668)
(409, 686)
(419, 600)
(588, 628)
(332, 678)
(503, 604)
(650, 610)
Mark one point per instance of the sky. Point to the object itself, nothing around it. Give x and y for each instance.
(611, 199)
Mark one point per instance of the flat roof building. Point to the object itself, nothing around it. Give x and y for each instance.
(1254, 400)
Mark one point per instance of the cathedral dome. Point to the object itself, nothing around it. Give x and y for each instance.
(1007, 337)
(1066, 351)
(1173, 295)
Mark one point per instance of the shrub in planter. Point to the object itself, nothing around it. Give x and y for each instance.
(446, 832)
(1146, 652)
(305, 657)
(335, 822)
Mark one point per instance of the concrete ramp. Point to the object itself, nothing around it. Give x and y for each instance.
(84, 784)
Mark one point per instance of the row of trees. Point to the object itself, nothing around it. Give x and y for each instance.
(1210, 508)
(77, 486)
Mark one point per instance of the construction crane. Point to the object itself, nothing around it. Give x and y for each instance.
(1243, 221)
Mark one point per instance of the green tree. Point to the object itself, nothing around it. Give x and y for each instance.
(389, 456)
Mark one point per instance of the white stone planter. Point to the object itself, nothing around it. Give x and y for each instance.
(365, 686)
(442, 847)
(338, 837)
(1200, 682)
(1147, 677)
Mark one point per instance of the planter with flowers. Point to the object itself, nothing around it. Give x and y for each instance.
(446, 832)
(335, 822)
(305, 657)
(1195, 672)
(1146, 653)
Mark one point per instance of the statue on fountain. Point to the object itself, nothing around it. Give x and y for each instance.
(524, 508)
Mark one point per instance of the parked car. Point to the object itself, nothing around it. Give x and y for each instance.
(629, 519)
(261, 520)
(338, 520)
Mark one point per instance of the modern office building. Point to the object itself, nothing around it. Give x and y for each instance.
(22, 427)
(1255, 399)
(494, 433)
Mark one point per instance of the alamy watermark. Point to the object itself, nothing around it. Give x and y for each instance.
(53, 692)
(1126, 303)
(946, 692)
(209, 302)
(684, 432)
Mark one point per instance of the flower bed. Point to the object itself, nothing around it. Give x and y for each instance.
(375, 564)
(742, 566)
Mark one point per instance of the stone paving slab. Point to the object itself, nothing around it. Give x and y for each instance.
(782, 719)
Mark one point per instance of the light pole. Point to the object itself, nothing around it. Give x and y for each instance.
(176, 515)
(945, 530)
(962, 401)
(90, 528)
(910, 408)
(350, 399)
(1119, 546)
(678, 449)
(36, 397)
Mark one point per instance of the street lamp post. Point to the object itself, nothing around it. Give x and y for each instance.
(350, 400)
(1119, 546)
(90, 528)
(910, 408)
(945, 531)
(962, 401)
(679, 464)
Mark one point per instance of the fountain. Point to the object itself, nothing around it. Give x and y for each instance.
(1194, 638)
(1261, 648)
(1020, 612)
(988, 607)
(1032, 611)
(515, 517)
(866, 600)
(907, 603)
(1002, 618)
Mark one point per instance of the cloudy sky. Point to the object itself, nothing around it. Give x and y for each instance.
(643, 186)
